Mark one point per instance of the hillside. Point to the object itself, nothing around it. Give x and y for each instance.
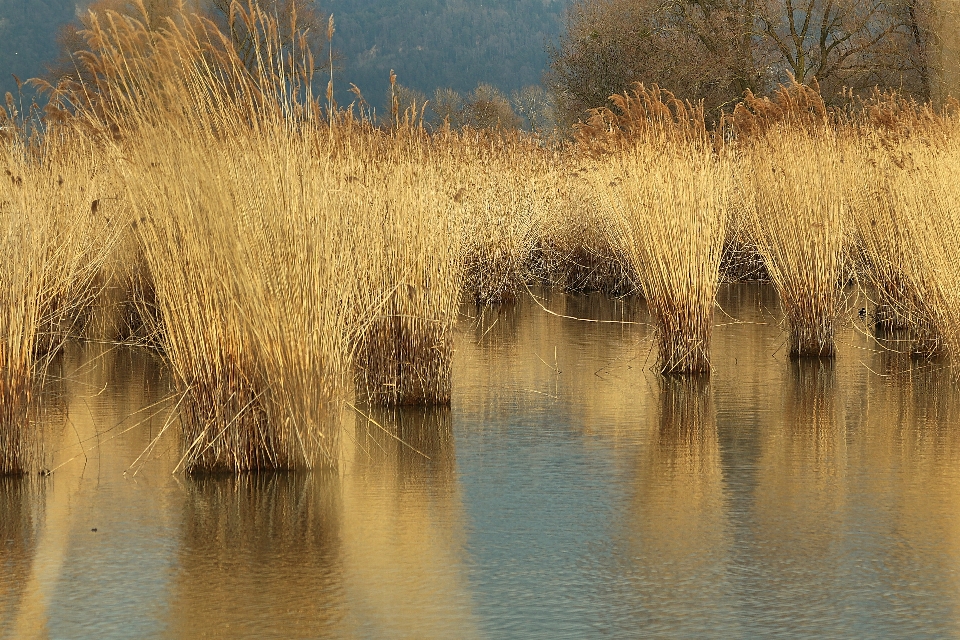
(429, 43)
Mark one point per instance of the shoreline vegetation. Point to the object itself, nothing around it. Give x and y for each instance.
(288, 257)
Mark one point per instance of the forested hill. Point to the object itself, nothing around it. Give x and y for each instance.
(444, 43)
(429, 43)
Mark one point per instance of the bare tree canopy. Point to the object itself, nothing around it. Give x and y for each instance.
(715, 50)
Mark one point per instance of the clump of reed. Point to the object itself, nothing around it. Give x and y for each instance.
(796, 215)
(914, 240)
(887, 257)
(669, 206)
(284, 244)
(405, 348)
(54, 238)
(243, 226)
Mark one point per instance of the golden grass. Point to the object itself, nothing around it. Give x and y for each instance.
(277, 251)
(792, 195)
(921, 202)
(54, 237)
(669, 210)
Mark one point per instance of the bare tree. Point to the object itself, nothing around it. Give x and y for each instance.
(694, 48)
(447, 107)
(534, 104)
(855, 44)
(487, 108)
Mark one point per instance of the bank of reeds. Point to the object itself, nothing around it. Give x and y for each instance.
(280, 248)
(920, 202)
(508, 190)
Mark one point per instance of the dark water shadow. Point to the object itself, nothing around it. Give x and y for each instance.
(21, 519)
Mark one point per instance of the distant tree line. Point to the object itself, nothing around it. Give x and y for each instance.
(715, 50)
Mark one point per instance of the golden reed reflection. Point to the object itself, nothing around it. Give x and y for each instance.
(911, 456)
(21, 518)
(259, 551)
(403, 534)
(801, 486)
(587, 355)
(680, 532)
(35, 522)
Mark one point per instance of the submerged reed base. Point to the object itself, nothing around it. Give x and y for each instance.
(670, 209)
(16, 435)
(685, 340)
(226, 430)
(404, 360)
(812, 338)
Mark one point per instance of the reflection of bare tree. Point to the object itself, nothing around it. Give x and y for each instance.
(402, 528)
(259, 552)
(680, 537)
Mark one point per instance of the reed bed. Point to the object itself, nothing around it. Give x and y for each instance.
(670, 205)
(509, 189)
(276, 249)
(792, 194)
(54, 239)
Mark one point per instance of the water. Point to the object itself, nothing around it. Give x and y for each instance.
(568, 492)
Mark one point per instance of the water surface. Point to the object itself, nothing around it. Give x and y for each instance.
(568, 492)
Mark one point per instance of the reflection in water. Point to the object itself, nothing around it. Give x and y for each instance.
(568, 492)
(258, 548)
(799, 507)
(402, 527)
(680, 536)
(913, 491)
(21, 509)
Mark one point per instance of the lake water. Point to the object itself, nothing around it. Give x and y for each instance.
(568, 492)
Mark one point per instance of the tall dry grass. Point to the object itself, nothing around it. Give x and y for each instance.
(285, 244)
(57, 229)
(792, 194)
(669, 207)
(411, 265)
(921, 201)
(509, 190)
